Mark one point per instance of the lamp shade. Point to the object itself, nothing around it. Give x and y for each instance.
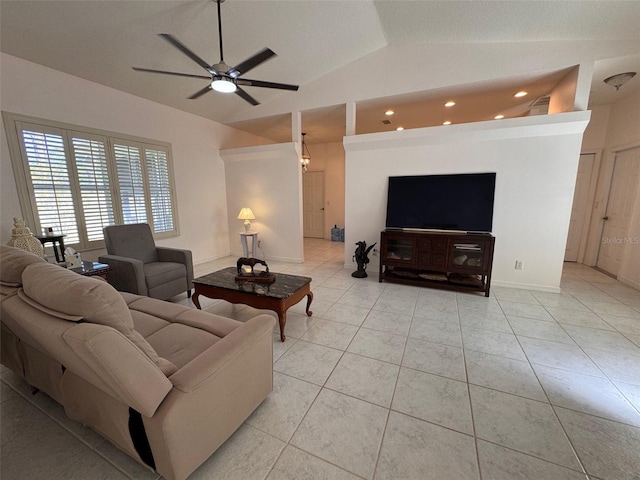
(246, 214)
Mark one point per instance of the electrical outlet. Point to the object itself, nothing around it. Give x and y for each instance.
(375, 252)
(519, 264)
(259, 243)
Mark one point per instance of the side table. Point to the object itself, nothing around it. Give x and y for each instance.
(54, 239)
(245, 246)
(90, 269)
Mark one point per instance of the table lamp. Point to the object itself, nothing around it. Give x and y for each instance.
(246, 214)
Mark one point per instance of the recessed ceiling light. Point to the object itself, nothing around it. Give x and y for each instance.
(389, 112)
(400, 128)
(450, 103)
(446, 123)
(499, 117)
(521, 93)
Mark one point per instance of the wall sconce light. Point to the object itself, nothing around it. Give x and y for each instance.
(305, 158)
(246, 214)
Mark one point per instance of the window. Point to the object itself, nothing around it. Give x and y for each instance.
(79, 180)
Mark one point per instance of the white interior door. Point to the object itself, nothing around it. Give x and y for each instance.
(624, 184)
(313, 204)
(579, 211)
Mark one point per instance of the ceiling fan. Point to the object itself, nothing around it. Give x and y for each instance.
(222, 77)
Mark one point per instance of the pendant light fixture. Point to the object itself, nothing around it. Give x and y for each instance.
(305, 158)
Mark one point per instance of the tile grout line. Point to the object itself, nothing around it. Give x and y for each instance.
(93, 449)
(596, 365)
(555, 413)
(389, 410)
(466, 375)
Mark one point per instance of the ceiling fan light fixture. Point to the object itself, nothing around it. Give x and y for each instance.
(223, 84)
(620, 79)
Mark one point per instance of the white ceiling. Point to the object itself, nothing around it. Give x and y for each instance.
(100, 40)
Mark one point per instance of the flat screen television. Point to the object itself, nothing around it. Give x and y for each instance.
(442, 202)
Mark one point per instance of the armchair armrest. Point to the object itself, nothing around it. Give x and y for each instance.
(127, 274)
(177, 255)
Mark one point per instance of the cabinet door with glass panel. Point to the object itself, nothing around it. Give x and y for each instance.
(398, 250)
(469, 256)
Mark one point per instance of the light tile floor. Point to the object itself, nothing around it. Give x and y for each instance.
(394, 382)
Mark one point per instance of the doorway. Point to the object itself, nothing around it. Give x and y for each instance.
(580, 211)
(617, 219)
(313, 204)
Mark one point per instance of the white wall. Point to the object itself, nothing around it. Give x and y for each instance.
(31, 89)
(267, 179)
(629, 271)
(535, 159)
(614, 128)
(432, 66)
(563, 95)
(595, 134)
(329, 158)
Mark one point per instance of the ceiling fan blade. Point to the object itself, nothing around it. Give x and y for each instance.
(199, 93)
(259, 83)
(178, 74)
(251, 62)
(247, 97)
(184, 49)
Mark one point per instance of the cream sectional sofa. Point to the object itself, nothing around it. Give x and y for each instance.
(165, 383)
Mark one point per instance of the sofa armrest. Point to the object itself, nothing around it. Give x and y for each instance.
(212, 396)
(192, 375)
(127, 274)
(134, 378)
(177, 255)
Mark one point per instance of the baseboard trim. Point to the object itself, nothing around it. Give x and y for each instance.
(526, 286)
(271, 258)
(211, 259)
(629, 282)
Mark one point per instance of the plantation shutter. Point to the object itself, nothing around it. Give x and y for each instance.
(130, 182)
(46, 157)
(157, 162)
(79, 180)
(90, 158)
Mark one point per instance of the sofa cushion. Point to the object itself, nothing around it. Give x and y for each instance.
(65, 291)
(159, 273)
(70, 294)
(146, 324)
(171, 312)
(13, 261)
(48, 311)
(181, 343)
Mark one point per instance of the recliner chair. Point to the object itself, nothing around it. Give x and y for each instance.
(139, 267)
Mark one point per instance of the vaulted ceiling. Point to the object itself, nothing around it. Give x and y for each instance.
(101, 40)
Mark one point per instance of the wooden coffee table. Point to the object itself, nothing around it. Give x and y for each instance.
(278, 296)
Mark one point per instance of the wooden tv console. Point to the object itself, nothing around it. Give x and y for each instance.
(457, 261)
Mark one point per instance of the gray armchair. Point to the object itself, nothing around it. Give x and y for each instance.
(138, 266)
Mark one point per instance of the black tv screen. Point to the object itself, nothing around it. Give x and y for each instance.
(442, 202)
